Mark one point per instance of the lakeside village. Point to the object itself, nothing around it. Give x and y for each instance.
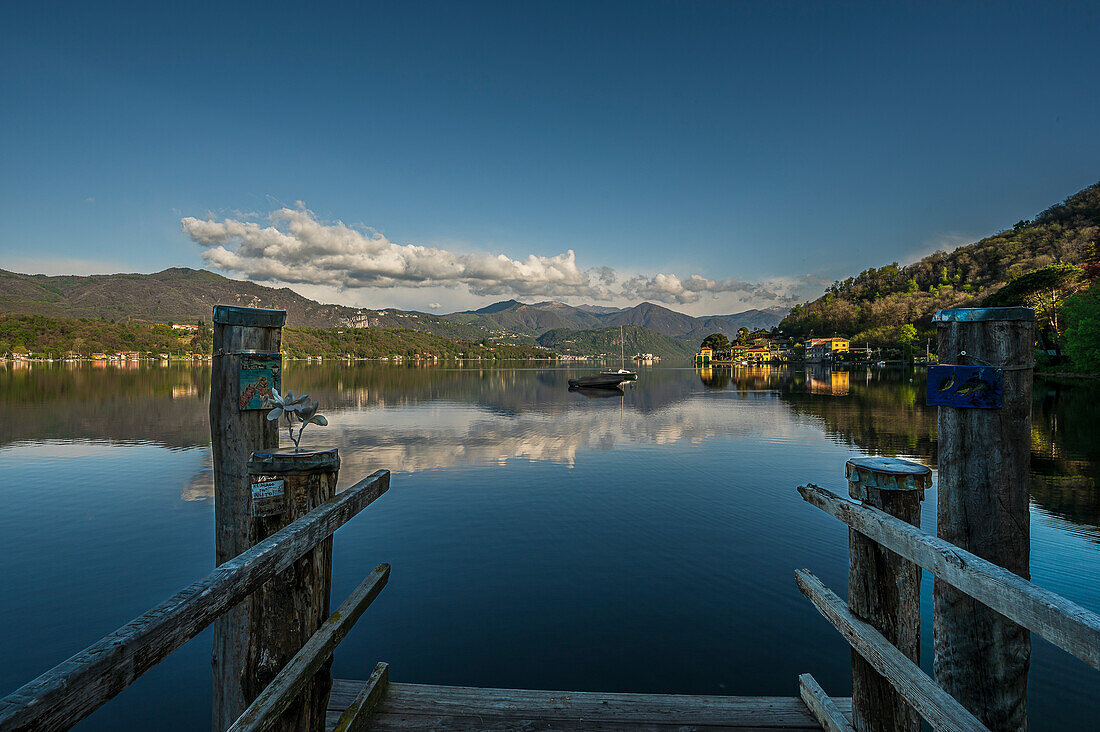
(71, 341)
(758, 348)
(716, 350)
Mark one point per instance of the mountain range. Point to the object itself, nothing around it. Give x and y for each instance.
(183, 295)
(534, 319)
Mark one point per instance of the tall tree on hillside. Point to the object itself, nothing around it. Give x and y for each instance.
(1045, 289)
(1082, 334)
(716, 341)
(907, 335)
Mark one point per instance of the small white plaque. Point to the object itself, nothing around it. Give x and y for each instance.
(267, 489)
(267, 497)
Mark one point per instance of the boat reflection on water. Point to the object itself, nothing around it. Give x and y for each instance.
(598, 392)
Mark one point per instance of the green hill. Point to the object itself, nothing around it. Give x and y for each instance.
(182, 295)
(57, 337)
(597, 341)
(877, 304)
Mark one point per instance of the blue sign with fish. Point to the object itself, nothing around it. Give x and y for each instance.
(969, 387)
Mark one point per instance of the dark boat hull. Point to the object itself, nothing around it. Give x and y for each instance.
(601, 381)
(597, 392)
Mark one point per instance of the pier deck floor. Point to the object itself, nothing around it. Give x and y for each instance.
(419, 706)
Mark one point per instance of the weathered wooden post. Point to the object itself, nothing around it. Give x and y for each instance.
(883, 588)
(246, 362)
(290, 608)
(981, 657)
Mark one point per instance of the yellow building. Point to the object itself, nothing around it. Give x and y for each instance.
(821, 348)
(705, 355)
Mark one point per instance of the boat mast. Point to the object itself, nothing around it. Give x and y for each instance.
(622, 346)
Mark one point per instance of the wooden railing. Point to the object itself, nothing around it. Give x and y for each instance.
(1064, 623)
(75, 688)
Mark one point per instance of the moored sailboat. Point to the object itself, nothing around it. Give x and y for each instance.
(607, 379)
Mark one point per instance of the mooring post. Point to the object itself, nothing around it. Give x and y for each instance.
(289, 609)
(981, 657)
(246, 362)
(883, 588)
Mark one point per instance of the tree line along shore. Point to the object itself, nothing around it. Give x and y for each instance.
(39, 338)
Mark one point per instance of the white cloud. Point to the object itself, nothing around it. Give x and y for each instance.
(434, 306)
(297, 248)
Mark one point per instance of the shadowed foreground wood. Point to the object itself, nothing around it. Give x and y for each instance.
(293, 679)
(983, 506)
(356, 717)
(824, 709)
(933, 703)
(75, 688)
(1066, 624)
(419, 706)
(884, 588)
(237, 433)
(287, 612)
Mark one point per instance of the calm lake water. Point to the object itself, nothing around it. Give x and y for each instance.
(538, 538)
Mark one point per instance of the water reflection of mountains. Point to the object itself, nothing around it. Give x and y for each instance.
(430, 417)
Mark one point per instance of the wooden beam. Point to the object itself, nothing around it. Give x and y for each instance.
(937, 707)
(293, 606)
(239, 333)
(73, 689)
(354, 718)
(983, 507)
(1066, 624)
(884, 588)
(297, 674)
(821, 706)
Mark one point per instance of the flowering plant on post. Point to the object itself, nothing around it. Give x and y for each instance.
(296, 409)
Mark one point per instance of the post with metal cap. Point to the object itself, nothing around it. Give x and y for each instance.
(883, 588)
(246, 363)
(982, 658)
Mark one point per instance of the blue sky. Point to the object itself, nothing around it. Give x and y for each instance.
(451, 154)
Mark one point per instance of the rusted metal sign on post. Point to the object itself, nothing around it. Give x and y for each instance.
(973, 387)
(260, 373)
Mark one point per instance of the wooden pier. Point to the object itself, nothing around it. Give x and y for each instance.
(274, 636)
(419, 706)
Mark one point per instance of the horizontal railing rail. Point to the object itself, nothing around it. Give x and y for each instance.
(934, 704)
(75, 688)
(1069, 626)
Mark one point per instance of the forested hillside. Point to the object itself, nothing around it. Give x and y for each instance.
(597, 341)
(58, 337)
(182, 295)
(1037, 263)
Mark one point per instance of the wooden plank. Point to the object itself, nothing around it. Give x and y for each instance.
(264, 712)
(384, 722)
(983, 507)
(235, 434)
(1066, 624)
(937, 707)
(557, 708)
(355, 717)
(73, 689)
(823, 708)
